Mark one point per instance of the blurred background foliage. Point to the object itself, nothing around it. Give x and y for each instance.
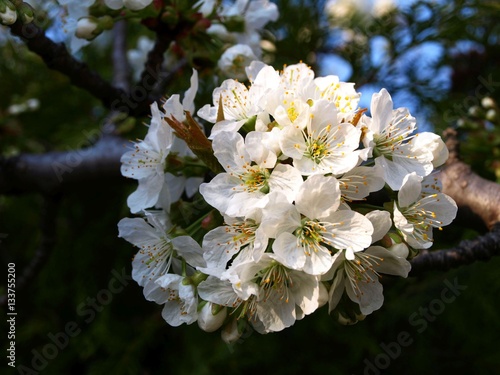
(431, 55)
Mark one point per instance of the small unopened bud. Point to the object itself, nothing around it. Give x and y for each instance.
(86, 28)
(487, 102)
(475, 111)
(136, 4)
(208, 321)
(26, 12)
(491, 115)
(8, 14)
(90, 27)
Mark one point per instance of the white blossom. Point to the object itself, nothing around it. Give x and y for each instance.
(416, 214)
(389, 134)
(234, 60)
(308, 232)
(325, 146)
(359, 277)
(248, 179)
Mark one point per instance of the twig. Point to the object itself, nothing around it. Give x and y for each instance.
(482, 248)
(471, 192)
(121, 69)
(56, 56)
(156, 57)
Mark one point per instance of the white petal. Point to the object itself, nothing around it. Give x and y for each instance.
(254, 143)
(292, 142)
(189, 95)
(287, 180)
(381, 221)
(445, 208)
(410, 190)
(219, 247)
(276, 314)
(318, 196)
(177, 309)
(391, 264)
(394, 174)
(352, 230)
(219, 191)
(371, 295)
(433, 143)
(147, 193)
(307, 292)
(230, 150)
(279, 218)
(154, 292)
(336, 290)
(189, 249)
(137, 231)
(381, 110)
(289, 252)
(219, 292)
(319, 262)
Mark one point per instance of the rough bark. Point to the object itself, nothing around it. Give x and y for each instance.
(472, 193)
(52, 172)
(482, 248)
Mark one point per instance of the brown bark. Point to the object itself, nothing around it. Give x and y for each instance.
(472, 193)
(52, 172)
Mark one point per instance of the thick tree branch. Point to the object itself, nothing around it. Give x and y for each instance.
(472, 193)
(481, 248)
(56, 171)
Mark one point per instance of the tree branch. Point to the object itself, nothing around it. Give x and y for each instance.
(56, 171)
(471, 192)
(56, 56)
(482, 248)
(121, 69)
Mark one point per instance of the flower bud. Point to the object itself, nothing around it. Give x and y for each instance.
(90, 27)
(86, 28)
(136, 4)
(8, 14)
(26, 13)
(209, 319)
(234, 60)
(114, 4)
(487, 102)
(475, 111)
(491, 115)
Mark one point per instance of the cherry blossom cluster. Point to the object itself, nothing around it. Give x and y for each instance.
(316, 199)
